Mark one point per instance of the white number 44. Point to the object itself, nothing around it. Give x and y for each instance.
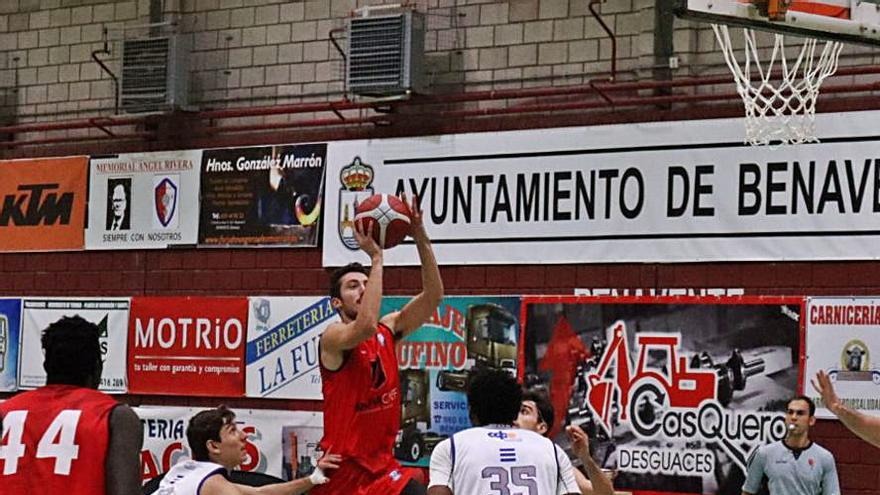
(56, 442)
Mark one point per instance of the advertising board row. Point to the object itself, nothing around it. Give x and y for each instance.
(656, 192)
(209, 346)
(675, 392)
(265, 195)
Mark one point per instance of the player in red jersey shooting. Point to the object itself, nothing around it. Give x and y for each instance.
(359, 370)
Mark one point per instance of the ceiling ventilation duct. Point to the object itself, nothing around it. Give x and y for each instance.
(385, 54)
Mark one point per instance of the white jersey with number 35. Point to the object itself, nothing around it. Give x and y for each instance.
(501, 460)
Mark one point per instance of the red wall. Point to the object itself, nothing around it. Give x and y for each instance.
(299, 272)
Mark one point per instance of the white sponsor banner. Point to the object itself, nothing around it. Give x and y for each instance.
(279, 443)
(111, 316)
(144, 200)
(282, 347)
(658, 192)
(843, 338)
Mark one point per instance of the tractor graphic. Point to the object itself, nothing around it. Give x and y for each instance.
(661, 376)
(647, 388)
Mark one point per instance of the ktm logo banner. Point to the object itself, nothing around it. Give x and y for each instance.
(42, 204)
(675, 393)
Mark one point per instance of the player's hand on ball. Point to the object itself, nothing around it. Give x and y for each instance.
(417, 225)
(365, 240)
(580, 442)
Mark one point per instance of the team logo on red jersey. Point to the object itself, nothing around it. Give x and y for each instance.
(377, 373)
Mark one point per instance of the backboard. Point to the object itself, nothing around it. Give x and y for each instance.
(852, 21)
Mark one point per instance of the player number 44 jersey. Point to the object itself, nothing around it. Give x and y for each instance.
(54, 440)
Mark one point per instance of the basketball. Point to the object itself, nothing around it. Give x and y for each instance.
(390, 216)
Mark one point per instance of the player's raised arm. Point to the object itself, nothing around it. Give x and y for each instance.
(356, 294)
(415, 313)
(598, 484)
(866, 427)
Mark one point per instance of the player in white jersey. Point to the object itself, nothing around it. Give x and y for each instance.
(536, 414)
(495, 457)
(218, 446)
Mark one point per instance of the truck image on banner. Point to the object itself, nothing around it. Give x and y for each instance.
(675, 393)
(465, 333)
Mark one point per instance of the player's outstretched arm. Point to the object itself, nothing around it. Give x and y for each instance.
(218, 485)
(421, 307)
(340, 337)
(865, 426)
(122, 467)
(599, 483)
(326, 464)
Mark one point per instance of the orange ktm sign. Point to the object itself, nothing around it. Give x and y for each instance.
(43, 204)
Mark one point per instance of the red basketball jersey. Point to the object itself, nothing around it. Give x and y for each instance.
(55, 441)
(362, 403)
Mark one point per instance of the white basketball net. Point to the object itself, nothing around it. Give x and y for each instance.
(782, 111)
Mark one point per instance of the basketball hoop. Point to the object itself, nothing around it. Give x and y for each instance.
(783, 111)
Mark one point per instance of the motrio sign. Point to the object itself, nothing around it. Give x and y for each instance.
(187, 345)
